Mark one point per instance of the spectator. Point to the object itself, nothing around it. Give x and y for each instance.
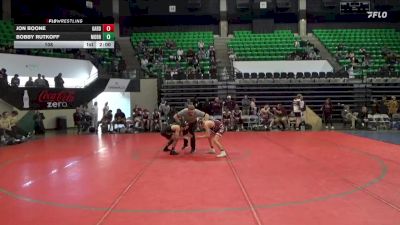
(245, 105)
(349, 116)
(38, 118)
(280, 115)
(78, 119)
(94, 113)
(39, 82)
(58, 81)
(106, 122)
(216, 107)
(15, 81)
(29, 83)
(362, 117)
(383, 105)
(393, 106)
(253, 107)
(237, 118)
(375, 106)
(3, 78)
(164, 108)
(266, 117)
(119, 118)
(327, 110)
(200, 44)
(13, 124)
(106, 109)
(5, 126)
(229, 103)
(46, 83)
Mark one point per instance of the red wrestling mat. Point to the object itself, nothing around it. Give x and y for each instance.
(275, 178)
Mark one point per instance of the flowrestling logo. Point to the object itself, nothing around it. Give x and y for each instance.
(377, 14)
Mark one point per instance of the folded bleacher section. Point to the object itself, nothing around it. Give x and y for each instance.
(160, 49)
(381, 47)
(269, 46)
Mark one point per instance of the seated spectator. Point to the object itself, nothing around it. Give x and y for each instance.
(362, 118)
(58, 81)
(106, 122)
(229, 104)
(119, 119)
(280, 116)
(155, 123)
(5, 126)
(179, 54)
(246, 105)
(393, 106)
(227, 119)
(266, 117)
(200, 44)
(15, 81)
(253, 107)
(29, 83)
(237, 118)
(349, 116)
(13, 124)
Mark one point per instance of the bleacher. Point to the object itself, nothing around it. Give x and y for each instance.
(258, 47)
(7, 34)
(372, 40)
(184, 40)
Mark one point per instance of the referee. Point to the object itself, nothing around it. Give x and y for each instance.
(190, 115)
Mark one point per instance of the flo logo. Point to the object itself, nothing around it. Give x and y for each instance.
(376, 14)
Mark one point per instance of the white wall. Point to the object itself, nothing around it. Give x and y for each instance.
(76, 73)
(148, 95)
(116, 100)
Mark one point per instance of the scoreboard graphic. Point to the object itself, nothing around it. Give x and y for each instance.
(64, 33)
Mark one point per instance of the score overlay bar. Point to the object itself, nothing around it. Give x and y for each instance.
(63, 44)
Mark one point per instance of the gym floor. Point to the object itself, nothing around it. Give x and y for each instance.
(274, 178)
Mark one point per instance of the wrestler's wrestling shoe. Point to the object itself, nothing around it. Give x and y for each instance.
(222, 154)
(211, 151)
(173, 152)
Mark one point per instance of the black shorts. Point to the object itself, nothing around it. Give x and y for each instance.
(166, 133)
(297, 114)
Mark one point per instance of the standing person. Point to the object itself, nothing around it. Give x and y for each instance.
(214, 131)
(297, 110)
(29, 83)
(172, 133)
(105, 109)
(327, 109)
(190, 115)
(58, 81)
(38, 118)
(94, 111)
(15, 81)
(78, 116)
(46, 83)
